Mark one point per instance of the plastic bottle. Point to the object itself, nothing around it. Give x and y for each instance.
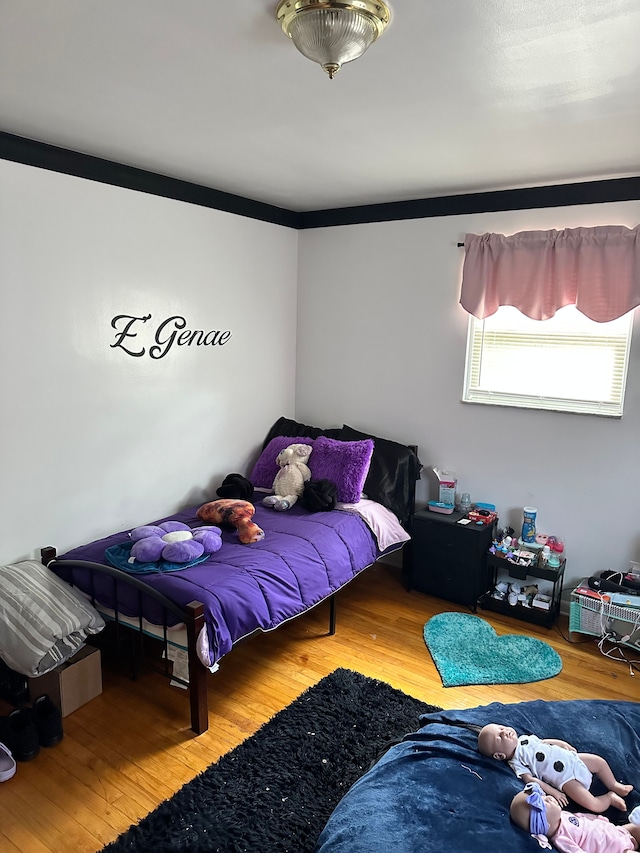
(529, 524)
(557, 553)
(465, 502)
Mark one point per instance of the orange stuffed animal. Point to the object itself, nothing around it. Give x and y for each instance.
(235, 512)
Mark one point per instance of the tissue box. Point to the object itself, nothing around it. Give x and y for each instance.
(447, 483)
(542, 601)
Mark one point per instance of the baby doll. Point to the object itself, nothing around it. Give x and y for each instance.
(541, 815)
(556, 766)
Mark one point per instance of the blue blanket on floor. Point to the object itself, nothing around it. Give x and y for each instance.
(435, 793)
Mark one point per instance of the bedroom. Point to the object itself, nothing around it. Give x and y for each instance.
(77, 253)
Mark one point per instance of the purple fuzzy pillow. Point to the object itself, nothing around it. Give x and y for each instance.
(345, 463)
(265, 470)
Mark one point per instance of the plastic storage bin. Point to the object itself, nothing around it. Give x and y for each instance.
(595, 616)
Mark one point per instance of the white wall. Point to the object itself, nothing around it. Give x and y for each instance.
(94, 440)
(381, 346)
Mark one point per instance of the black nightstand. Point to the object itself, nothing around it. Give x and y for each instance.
(449, 560)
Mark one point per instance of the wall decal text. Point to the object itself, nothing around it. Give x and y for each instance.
(171, 331)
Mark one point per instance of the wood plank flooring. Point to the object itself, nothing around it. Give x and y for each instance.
(131, 747)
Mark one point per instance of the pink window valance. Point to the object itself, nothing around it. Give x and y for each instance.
(538, 272)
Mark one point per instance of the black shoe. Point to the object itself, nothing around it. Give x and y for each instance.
(48, 721)
(20, 733)
(13, 686)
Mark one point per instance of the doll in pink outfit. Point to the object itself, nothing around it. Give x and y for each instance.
(544, 819)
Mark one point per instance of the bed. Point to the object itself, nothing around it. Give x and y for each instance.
(201, 612)
(434, 792)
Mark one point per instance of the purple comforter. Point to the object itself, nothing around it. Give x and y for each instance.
(303, 559)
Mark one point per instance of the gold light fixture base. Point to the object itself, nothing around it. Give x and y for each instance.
(332, 32)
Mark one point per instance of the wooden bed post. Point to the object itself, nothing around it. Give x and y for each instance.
(197, 672)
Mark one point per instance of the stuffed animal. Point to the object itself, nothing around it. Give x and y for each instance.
(290, 479)
(236, 513)
(174, 542)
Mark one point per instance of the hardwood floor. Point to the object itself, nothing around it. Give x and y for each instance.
(131, 747)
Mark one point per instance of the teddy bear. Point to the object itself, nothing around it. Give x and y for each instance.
(235, 512)
(289, 482)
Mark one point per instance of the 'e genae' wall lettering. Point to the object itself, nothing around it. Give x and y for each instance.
(171, 331)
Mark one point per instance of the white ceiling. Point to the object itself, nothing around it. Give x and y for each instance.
(457, 96)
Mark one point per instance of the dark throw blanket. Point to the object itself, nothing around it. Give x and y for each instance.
(435, 793)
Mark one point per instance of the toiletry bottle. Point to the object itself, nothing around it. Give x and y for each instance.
(465, 502)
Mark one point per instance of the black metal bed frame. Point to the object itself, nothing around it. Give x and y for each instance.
(192, 616)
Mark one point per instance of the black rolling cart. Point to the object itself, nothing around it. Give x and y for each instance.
(499, 568)
(449, 560)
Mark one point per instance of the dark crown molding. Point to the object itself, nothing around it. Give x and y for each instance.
(561, 195)
(44, 156)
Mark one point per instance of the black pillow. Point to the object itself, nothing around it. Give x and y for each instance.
(289, 427)
(392, 474)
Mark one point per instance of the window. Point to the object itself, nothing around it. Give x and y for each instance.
(568, 363)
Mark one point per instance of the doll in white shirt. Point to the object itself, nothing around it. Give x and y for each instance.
(556, 766)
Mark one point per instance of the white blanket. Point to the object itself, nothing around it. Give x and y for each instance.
(43, 620)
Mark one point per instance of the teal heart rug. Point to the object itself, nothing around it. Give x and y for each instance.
(467, 650)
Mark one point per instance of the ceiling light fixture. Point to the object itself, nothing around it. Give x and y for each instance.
(332, 32)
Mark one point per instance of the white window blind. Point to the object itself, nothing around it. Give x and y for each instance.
(568, 363)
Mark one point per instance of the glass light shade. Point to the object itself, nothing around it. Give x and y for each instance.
(332, 37)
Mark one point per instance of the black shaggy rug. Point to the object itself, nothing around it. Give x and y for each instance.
(276, 790)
